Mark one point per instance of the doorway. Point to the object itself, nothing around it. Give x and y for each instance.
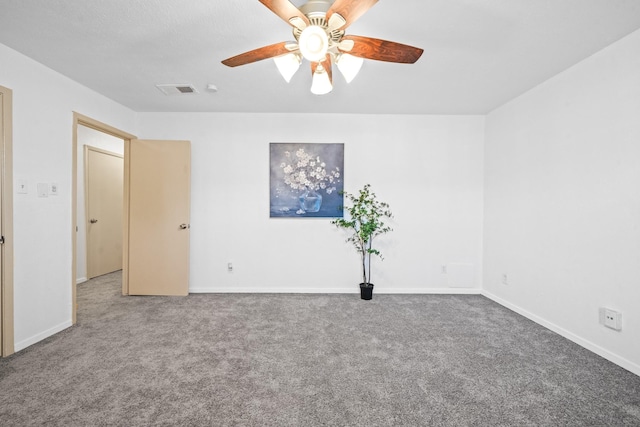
(156, 173)
(87, 130)
(100, 173)
(104, 174)
(6, 223)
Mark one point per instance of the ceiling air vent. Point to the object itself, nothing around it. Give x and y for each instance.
(177, 89)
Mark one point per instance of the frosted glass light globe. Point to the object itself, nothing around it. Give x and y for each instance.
(320, 83)
(349, 66)
(287, 65)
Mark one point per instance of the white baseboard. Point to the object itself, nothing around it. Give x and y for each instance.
(250, 290)
(355, 290)
(39, 337)
(81, 280)
(430, 291)
(612, 357)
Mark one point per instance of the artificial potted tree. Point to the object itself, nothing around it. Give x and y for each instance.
(364, 219)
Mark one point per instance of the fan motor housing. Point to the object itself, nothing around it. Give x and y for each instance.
(315, 7)
(316, 12)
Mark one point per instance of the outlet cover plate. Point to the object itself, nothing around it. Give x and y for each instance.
(611, 319)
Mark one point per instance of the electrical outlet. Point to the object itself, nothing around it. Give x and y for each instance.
(229, 266)
(443, 269)
(43, 189)
(611, 319)
(505, 280)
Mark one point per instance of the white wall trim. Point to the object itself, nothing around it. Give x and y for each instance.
(612, 357)
(39, 337)
(250, 290)
(81, 280)
(429, 291)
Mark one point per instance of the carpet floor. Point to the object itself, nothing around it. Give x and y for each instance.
(308, 360)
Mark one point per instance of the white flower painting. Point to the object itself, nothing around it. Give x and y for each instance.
(306, 179)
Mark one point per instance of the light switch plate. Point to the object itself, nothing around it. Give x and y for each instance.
(23, 186)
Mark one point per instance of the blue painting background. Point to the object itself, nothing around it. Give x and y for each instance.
(284, 200)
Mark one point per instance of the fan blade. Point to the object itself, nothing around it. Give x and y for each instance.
(350, 10)
(382, 50)
(259, 54)
(287, 11)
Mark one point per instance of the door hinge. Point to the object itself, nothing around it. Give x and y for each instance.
(1, 240)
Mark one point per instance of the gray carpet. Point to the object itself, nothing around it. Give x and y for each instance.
(308, 360)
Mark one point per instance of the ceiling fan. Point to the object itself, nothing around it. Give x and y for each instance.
(319, 30)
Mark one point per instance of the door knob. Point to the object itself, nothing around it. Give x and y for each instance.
(183, 226)
(93, 220)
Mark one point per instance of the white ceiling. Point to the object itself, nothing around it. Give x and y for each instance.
(478, 54)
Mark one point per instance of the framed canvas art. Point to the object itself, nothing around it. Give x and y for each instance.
(306, 180)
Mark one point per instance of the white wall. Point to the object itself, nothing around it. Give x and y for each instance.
(43, 105)
(93, 138)
(428, 168)
(562, 202)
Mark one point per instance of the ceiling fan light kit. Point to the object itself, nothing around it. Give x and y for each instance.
(318, 28)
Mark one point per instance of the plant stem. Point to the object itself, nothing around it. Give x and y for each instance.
(364, 271)
(369, 256)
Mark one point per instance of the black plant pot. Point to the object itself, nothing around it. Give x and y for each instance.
(366, 290)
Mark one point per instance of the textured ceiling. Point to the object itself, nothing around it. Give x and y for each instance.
(478, 54)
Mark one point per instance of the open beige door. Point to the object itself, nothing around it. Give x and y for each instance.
(6, 223)
(104, 174)
(157, 188)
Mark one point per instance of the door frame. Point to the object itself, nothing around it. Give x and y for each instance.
(79, 119)
(88, 148)
(6, 281)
